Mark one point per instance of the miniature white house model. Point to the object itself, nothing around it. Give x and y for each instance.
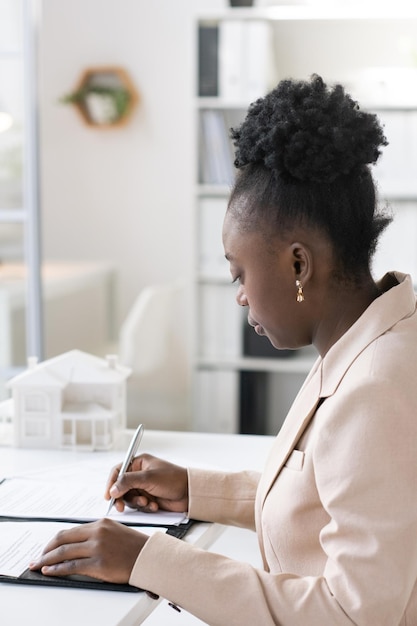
(75, 400)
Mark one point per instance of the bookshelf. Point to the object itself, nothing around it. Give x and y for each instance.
(248, 388)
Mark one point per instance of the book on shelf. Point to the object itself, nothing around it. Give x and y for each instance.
(212, 262)
(259, 68)
(259, 346)
(246, 69)
(253, 401)
(397, 248)
(216, 150)
(221, 322)
(217, 395)
(231, 58)
(216, 155)
(208, 60)
(395, 168)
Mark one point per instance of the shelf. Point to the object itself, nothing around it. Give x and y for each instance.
(13, 215)
(213, 190)
(10, 53)
(402, 195)
(381, 108)
(215, 102)
(205, 279)
(218, 362)
(297, 364)
(312, 13)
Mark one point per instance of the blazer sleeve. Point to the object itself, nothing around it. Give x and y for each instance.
(365, 463)
(365, 460)
(224, 592)
(226, 498)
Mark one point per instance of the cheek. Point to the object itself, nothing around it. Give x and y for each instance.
(260, 302)
(280, 320)
(272, 302)
(266, 309)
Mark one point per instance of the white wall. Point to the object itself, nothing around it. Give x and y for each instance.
(125, 195)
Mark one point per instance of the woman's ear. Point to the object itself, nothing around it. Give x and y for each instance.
(302, 261)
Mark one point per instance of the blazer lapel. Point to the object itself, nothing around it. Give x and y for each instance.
(299, 416)
(384, 312)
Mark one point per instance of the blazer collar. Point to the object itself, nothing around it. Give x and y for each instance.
(396, 304)
(382, 314)
(299, 415)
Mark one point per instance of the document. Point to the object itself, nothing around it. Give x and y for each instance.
(22, 542)
(36, 506)
(71, 493)
(37, 499)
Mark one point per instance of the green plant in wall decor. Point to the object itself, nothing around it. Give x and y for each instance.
(104, 97)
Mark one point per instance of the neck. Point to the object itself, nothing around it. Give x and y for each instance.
(342, 306)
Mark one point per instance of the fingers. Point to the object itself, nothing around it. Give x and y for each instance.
(131, 480)
(105, 550)
(64, 554)
(135, 487)
(139, 464)
(142, 502)
(114, 473)
(71, 536)
(149, 485)
(52, 565)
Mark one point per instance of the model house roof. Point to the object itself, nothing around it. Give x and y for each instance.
(74, 367)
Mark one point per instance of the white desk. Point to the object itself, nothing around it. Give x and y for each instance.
(77, 300)
(43, 606)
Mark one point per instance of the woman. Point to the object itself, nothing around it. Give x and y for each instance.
(335, 508)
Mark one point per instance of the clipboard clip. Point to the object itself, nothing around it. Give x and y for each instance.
(155, 596)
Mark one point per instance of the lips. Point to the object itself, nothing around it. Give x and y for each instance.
(257, 327)
(251, 322)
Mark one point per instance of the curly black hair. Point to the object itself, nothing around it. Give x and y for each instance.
(303, 153)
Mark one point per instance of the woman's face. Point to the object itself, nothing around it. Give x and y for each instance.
(265, 272)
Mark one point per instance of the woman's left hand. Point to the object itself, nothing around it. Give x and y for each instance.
(106, 550)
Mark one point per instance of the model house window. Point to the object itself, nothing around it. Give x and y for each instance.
(36, 403)
(36, 428)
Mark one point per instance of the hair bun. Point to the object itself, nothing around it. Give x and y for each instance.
(308, 131)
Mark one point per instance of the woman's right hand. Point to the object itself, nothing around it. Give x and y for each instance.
(151, 484)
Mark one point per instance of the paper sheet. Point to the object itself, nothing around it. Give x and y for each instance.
(35, 498)
(22, 542)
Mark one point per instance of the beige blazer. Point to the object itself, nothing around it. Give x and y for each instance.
(336, 506)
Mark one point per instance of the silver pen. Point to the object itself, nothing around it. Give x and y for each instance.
(130, 454)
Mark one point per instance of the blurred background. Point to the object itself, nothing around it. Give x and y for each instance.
(103, 223)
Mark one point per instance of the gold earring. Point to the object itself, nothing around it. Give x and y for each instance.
(300, 294)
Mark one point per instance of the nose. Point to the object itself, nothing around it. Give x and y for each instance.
(241, 298)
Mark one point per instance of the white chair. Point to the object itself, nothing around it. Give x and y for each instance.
(153, 342)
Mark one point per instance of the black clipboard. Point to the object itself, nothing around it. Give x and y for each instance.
(29, 577)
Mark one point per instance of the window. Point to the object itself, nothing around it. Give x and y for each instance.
(36, 403)
(36, 428)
